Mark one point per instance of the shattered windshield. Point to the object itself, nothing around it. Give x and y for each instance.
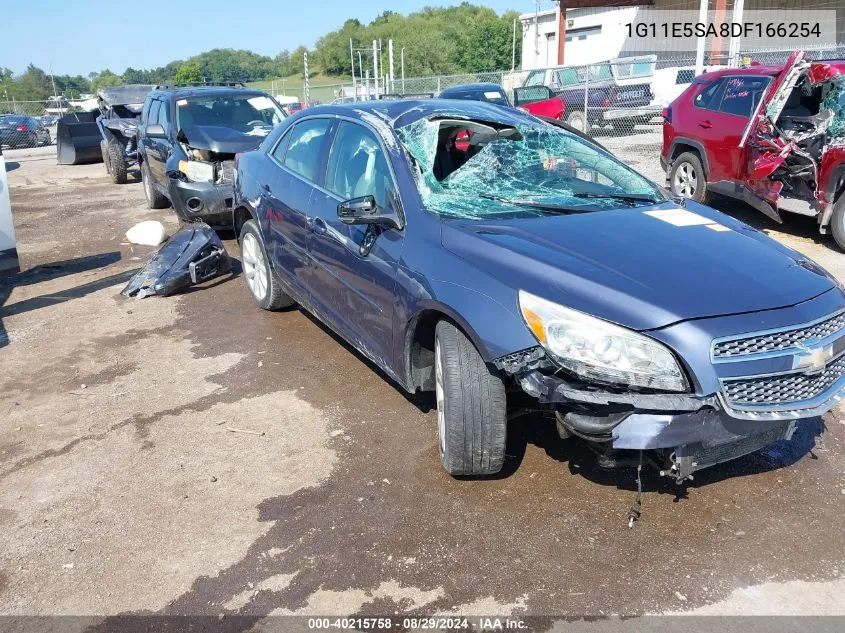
(477, 170)
(250, 114)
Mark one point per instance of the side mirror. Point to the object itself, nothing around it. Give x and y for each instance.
(364, 210)
(156, 130)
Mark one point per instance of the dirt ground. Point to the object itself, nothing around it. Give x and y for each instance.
(196, 455)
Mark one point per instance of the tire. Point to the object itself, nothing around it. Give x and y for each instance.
(116, 164)
(104, 149)
(687, 178)
(577, 120)
(154, 199)
(263, 286)
(837, 221)
(471, 407)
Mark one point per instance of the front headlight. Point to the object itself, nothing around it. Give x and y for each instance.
(197, 170)
(597, 350)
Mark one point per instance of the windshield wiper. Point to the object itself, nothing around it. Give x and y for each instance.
(542, 206)
(627, 197)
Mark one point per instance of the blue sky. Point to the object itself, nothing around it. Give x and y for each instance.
(80, 36)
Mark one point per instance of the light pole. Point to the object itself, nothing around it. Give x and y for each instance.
(402, 58)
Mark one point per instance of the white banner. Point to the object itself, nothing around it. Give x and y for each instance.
(673, 30)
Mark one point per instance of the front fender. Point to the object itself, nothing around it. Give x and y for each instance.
(494, 329)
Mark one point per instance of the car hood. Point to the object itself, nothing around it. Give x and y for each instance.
(223, 139)
(644, 267)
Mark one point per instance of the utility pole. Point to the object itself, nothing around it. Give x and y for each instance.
(513, 49)
(390, 62)
(375, 67)
(701, 44)
(352, 59)
(402, 56)
(307, 87)
(733, 49)
(53, 80)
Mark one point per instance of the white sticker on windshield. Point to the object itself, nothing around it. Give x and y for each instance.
(261, 103)
(679, 217)
(492, 95)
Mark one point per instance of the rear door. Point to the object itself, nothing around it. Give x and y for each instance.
(355, 286)
(297, 164)
(721, 113)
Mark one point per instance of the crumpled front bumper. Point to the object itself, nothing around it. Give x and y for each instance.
(641, 421)
(206, 201)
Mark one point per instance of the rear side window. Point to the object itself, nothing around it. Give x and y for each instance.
(711, 95)
(535, 78)
(742, 94)
(306, 141)
(153, 114)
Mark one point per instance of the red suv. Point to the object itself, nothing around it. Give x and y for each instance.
(772, 136)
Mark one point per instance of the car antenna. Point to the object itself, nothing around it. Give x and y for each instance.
(636, 509)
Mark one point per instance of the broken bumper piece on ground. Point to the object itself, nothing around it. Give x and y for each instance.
(194, 254)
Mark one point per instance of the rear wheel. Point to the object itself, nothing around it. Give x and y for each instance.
(154, 199)
(264, 287)
(116, 163)
(687, 178)
(471, 408)
(837, 221)
(577, 120)
(104, 150)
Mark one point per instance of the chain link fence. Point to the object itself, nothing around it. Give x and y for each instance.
(620, 101)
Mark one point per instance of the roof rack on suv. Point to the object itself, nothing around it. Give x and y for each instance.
(229, 84)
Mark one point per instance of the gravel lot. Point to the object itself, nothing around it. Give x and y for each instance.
(128, 486)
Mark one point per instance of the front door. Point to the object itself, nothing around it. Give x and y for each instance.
(352, 285)
(157, 150)
(725, 108)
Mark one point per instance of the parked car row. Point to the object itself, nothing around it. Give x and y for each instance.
(495, 259)
(22, 131)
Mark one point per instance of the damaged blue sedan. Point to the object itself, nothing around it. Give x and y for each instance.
(498, 260)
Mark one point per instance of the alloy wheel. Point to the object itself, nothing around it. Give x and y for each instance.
(441, 397)
(255, 267)
(686, 180)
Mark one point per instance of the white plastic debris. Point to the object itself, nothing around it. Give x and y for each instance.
(147, 233)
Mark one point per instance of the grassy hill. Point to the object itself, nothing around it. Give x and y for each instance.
(322, 87)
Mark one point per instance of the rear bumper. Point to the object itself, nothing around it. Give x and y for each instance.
(204, 201)
(635, 113)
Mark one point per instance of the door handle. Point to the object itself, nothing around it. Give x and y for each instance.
(318, 225)
(705, 124)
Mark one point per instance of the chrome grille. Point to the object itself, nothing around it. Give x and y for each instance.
(776, 341)
(784, 388)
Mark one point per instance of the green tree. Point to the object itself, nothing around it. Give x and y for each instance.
(188, 73)
(105, 79)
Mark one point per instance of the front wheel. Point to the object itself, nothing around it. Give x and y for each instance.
(116, 163)
(471, 407)
(154, 199)
(264, 287)
(837, 221)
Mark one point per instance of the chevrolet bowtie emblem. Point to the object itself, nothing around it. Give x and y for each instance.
(812, 359)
